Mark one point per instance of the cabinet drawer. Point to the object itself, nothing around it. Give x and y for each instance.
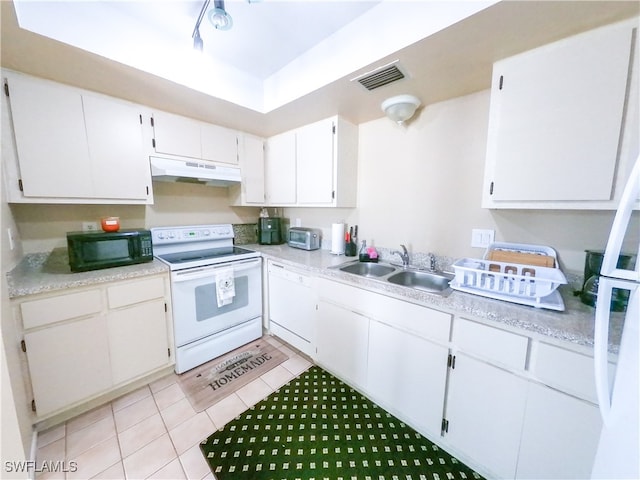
(568, 371)
(46, 311)
(135, 292)
(413, 318)
(496, 345)
(417, 319)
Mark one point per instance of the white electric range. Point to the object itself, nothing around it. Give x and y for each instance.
(216, 291)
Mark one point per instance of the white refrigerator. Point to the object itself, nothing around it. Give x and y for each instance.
(619, 449)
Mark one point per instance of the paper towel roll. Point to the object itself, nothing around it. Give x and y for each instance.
(337, 238)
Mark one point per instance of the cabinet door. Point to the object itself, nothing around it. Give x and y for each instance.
(342, 338)
(68, 363)
(253, 170)
(120, 167)
(176, 135)
(408, 374)
(315, 163)
(485, 410)
(560, 436)
(219, 144)
(555, 121)
(280, 173)
(138, 342)
(51, 141)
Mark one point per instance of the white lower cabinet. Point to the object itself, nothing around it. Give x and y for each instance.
(137, 340)
(68, 362)
(505, 403)
(342, 342)
(408, 375)
(559, 437)
(88, 342)
(484, 412)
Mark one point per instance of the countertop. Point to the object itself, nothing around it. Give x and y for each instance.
(574, 325)
(49, 272)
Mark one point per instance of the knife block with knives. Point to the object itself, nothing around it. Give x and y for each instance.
(350, 242)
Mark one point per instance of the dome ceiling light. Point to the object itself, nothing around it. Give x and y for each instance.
(400, 108)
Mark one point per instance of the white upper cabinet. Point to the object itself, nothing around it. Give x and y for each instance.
(51, 142)
(251, 191)
(313, 166)
(557, 119)
(327, 163)
(314, 156)
(66, 148)
(280, 173)
(219, 144)
(176, 135)
(186, 137)
(107, 120)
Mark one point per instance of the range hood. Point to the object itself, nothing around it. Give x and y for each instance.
(193, 171)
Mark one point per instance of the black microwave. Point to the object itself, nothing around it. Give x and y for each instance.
(96, 250)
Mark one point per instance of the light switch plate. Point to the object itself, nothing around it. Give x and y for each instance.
(481, 238)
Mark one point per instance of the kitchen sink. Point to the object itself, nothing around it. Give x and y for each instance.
(435, 282)
(366, 269)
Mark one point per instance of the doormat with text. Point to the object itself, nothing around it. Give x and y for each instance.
(211, 382)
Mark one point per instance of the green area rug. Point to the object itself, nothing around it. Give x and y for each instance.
(316, 427)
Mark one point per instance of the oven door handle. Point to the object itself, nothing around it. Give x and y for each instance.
(209, 270)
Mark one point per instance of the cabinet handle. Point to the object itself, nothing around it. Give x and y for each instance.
(23, 346)
(445, 425)
(501, 82)
(451, 361)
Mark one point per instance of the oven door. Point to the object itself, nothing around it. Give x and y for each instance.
(194, 292)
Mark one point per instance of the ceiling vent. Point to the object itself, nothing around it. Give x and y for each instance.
(380, 76)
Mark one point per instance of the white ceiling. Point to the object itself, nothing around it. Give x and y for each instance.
(255, 63)
(446, 47)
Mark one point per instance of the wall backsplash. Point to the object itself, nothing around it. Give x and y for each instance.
(245, 233)
(43, 227)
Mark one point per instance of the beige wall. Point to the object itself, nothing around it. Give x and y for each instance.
(44, 227)
(421, 185)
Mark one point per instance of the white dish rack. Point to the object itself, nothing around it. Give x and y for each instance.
(524, 284)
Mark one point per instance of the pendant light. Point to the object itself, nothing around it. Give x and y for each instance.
(219, 17)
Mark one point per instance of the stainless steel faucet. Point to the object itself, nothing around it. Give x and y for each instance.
(404, 255)
(432, 262)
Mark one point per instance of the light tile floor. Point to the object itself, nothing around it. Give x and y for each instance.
(154, 432)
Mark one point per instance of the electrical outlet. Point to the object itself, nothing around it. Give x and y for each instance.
(482, 238)
(89, 226)
(12, 241)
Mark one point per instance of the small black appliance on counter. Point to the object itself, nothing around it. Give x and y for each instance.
(592, 266)
(270, 231)
(97, 250)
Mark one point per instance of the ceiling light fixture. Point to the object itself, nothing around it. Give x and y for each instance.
(400, 108)
(219, 17)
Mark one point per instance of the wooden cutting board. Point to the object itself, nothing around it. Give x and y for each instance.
(522, 258)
